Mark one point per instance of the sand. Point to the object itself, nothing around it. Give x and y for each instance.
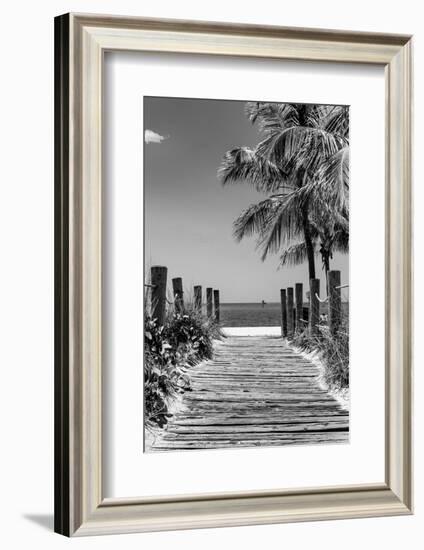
(252, 331)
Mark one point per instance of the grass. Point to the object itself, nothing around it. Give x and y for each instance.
(184, 340)
(333, 351)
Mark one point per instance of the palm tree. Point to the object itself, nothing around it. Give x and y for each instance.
(297, 139)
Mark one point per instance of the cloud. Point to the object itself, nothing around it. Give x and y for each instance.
(153, 137)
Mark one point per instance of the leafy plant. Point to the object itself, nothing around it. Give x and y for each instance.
(163, 378)
(190, 333)
(183, 341)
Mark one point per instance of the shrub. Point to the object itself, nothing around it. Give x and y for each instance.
(185, 339)
(333, 352)
(190, 333)
(163, 379)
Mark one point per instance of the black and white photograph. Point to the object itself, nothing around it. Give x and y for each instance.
(246, 274)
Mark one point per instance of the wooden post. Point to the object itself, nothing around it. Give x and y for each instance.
(283, 296)
(305, 316)
(313, 307)
(177, 288)
(216, 304)
(299, 306)
(158, 275)
(198, 298)
(209, 306)
(290, 319)
(334, 301)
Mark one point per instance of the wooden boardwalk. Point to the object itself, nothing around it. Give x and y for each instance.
(256, 391)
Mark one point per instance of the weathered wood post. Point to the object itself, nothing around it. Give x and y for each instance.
(216, 304)
(334, 301)
(198, 298)
(290, 319)
(283, 296)
(158, 276)
(209, 306)
(299, 306)
(313, 307)
(177, 288)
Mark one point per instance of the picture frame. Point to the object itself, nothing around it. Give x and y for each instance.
(80, 506)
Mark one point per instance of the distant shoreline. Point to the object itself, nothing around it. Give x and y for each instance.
(256, 314)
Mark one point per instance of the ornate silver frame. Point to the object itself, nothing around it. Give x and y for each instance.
(80, 507)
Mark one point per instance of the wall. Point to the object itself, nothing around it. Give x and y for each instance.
(26, 276)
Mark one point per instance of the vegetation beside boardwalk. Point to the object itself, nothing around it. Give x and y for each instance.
(185, 339)
(332, 349)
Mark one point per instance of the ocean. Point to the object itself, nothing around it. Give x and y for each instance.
(256, 315)
(250, 315)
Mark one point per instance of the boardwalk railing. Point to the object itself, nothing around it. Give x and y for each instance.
(159, 301)
(295, 317)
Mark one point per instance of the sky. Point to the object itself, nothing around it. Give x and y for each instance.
(189, 214)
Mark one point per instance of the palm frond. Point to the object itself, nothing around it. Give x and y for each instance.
(329, 189)
(315, 114)
(304, 145)
(245, 165)
(271, 117)
(283, 226)
(341, 221)
(332, 179)
(337, 121)
(254, 219)
(341, 242)
(294, 254)
(254, 109)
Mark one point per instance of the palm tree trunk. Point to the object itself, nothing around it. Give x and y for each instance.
(326, 269)
(325, 257)
(310, 250)
(308, 242)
